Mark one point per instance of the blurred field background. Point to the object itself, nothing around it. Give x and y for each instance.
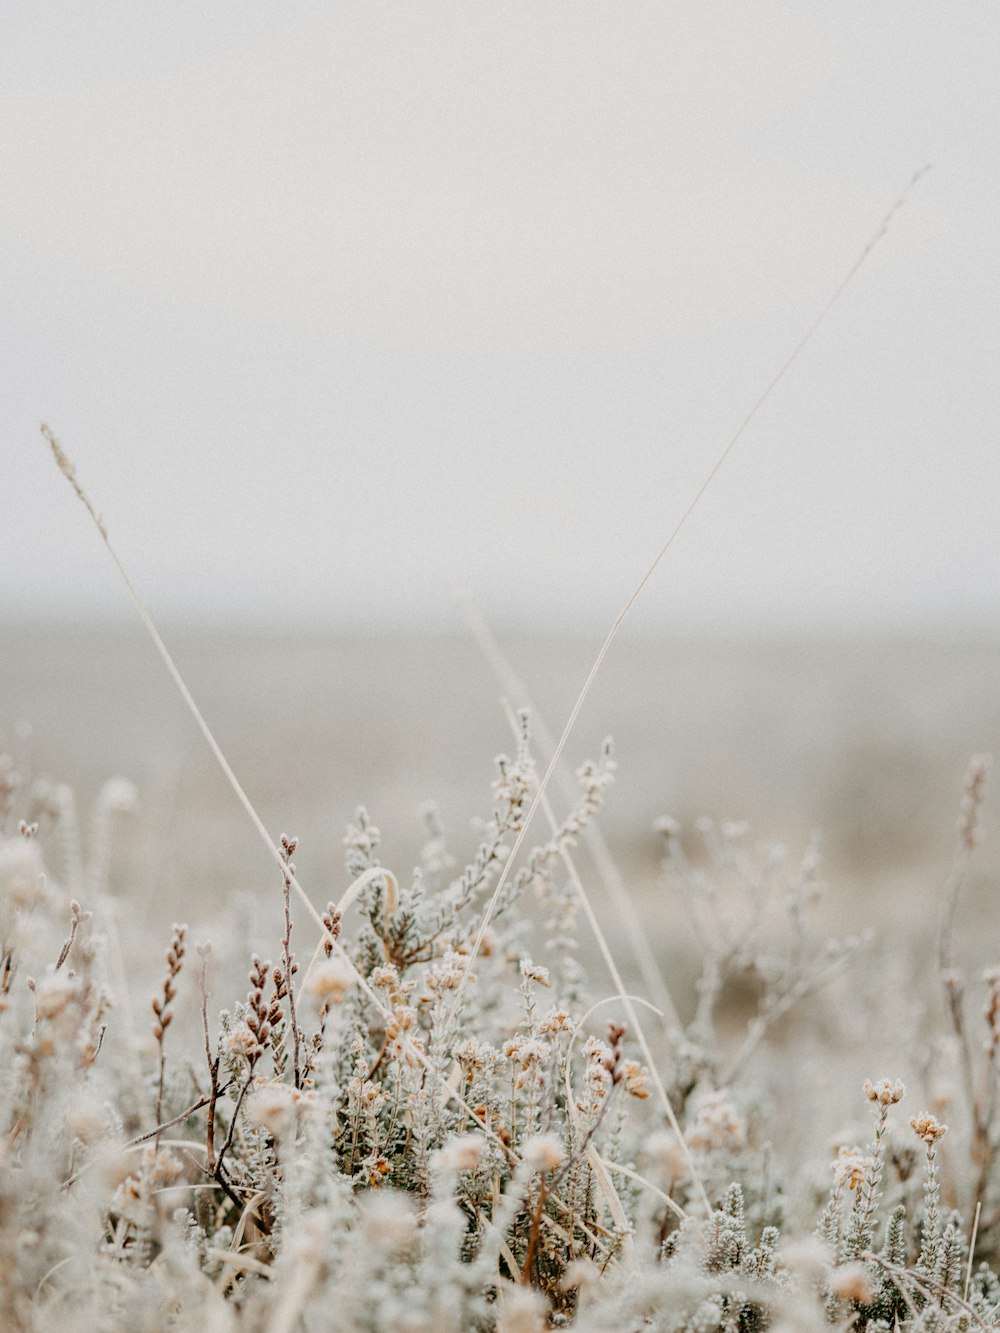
(335, 315)
(864, 739)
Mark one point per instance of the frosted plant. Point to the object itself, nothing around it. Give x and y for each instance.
(753, 920)
(336, 1151)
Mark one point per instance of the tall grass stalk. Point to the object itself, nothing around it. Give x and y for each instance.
(636, 592)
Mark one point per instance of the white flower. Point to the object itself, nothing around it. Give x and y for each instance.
(463, 1153)
(544, 1152)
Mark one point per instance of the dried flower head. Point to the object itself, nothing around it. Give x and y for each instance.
(886, 1091)
(927, 1128)
(635, 1078)
(241, 1041)
(850, 1167)
(532, 972)
(555, 1021)
(472, 1056)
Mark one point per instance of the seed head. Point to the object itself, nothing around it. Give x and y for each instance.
(927, 1128)
(886, 1091)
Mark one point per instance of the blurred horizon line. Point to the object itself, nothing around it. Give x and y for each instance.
(260, 626)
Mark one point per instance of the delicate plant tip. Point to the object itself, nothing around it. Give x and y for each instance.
(531, 972)
(885, 1091)
(973, 794)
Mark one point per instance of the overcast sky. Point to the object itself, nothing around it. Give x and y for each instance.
(343, 308)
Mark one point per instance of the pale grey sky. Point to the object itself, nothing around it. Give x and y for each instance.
(341, 308)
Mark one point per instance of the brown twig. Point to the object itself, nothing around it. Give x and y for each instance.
(204, 952)
(536, 1227)
(288, 846)
(219, 1175)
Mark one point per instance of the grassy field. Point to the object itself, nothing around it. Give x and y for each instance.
(519, 1202)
